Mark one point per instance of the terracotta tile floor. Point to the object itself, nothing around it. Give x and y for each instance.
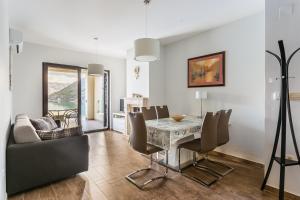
(111, 158)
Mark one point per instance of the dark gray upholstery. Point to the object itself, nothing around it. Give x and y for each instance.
(34, 164)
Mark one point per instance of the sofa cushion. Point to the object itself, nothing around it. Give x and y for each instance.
(24, 132)
(59, 133)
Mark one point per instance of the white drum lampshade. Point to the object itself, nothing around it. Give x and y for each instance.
(95, 69)
(146, 49)
(201, 95)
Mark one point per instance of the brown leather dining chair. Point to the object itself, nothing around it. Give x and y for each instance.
(222, 139)
(223, 127)
(138, 141)
(162, 112)
(203, 145)
(223, 135)
(149, 113)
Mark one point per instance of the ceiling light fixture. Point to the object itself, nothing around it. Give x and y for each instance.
(146, 49)
(95, 69)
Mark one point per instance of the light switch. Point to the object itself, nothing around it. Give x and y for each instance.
(270, 80)
(275, 96)
(285, 11)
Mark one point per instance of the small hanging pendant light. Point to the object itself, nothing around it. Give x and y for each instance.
(96, 69)
(146, 49)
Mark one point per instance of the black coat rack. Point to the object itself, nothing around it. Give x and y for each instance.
(284, 110)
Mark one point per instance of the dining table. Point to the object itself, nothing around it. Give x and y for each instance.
(167, 134)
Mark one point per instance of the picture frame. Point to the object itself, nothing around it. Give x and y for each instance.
(207, 70)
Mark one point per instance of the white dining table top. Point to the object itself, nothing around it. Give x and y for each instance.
(165, 132)
(168, 124)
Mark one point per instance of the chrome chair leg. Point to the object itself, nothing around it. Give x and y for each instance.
(179, 168)
(215, 177)
(167, 163)
(141, 186)
(230, 169)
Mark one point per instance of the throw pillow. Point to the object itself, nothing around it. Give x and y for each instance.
(40, 124)
(59, 133)
(73, 131)
(51, 122)
(50, 134)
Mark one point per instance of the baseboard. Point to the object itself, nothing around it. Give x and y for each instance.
(287, 195)
(237, 159)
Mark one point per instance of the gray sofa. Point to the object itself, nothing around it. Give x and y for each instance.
(33, 164)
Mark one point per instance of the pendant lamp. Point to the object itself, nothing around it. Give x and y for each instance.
(146, 49)
(95, 69)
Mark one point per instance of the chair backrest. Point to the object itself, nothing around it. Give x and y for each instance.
(149, 113)
(223, 129)
(138, 135)
(162, 112)
(209, 132)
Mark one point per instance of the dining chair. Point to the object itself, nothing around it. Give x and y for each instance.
(222, 139)
(203, 145)
(223, 127)
(138, 141)
(223, 135)
(162, 112)
(149, 113)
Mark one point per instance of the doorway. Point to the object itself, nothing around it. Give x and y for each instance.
(95, 100)
(74, 98)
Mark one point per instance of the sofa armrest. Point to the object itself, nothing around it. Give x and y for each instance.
(32, 164)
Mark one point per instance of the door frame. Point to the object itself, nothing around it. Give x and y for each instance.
(45, 85)
(78, 68)
(108, 106)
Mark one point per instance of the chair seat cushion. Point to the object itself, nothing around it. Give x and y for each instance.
(153, 149)
(194, 145)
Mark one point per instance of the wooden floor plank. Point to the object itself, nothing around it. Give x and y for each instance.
(111, 158)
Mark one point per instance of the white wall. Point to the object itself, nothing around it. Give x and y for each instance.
(5, 100)
(157, 80)
(286, 28)
(244, 92)
(27, 75)
(151, 82)
(140, 85)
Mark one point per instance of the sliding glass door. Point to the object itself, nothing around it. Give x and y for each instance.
(75, 98)
(61, 93)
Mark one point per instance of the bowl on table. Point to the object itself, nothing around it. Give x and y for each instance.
(178, 118)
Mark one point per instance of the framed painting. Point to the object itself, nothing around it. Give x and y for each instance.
(207, 71)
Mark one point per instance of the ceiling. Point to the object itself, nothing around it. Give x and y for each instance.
(71, 24)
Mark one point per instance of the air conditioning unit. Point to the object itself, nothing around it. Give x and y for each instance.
(16, 40)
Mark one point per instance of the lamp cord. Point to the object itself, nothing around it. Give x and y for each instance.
(146, 18)
(96, 47)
